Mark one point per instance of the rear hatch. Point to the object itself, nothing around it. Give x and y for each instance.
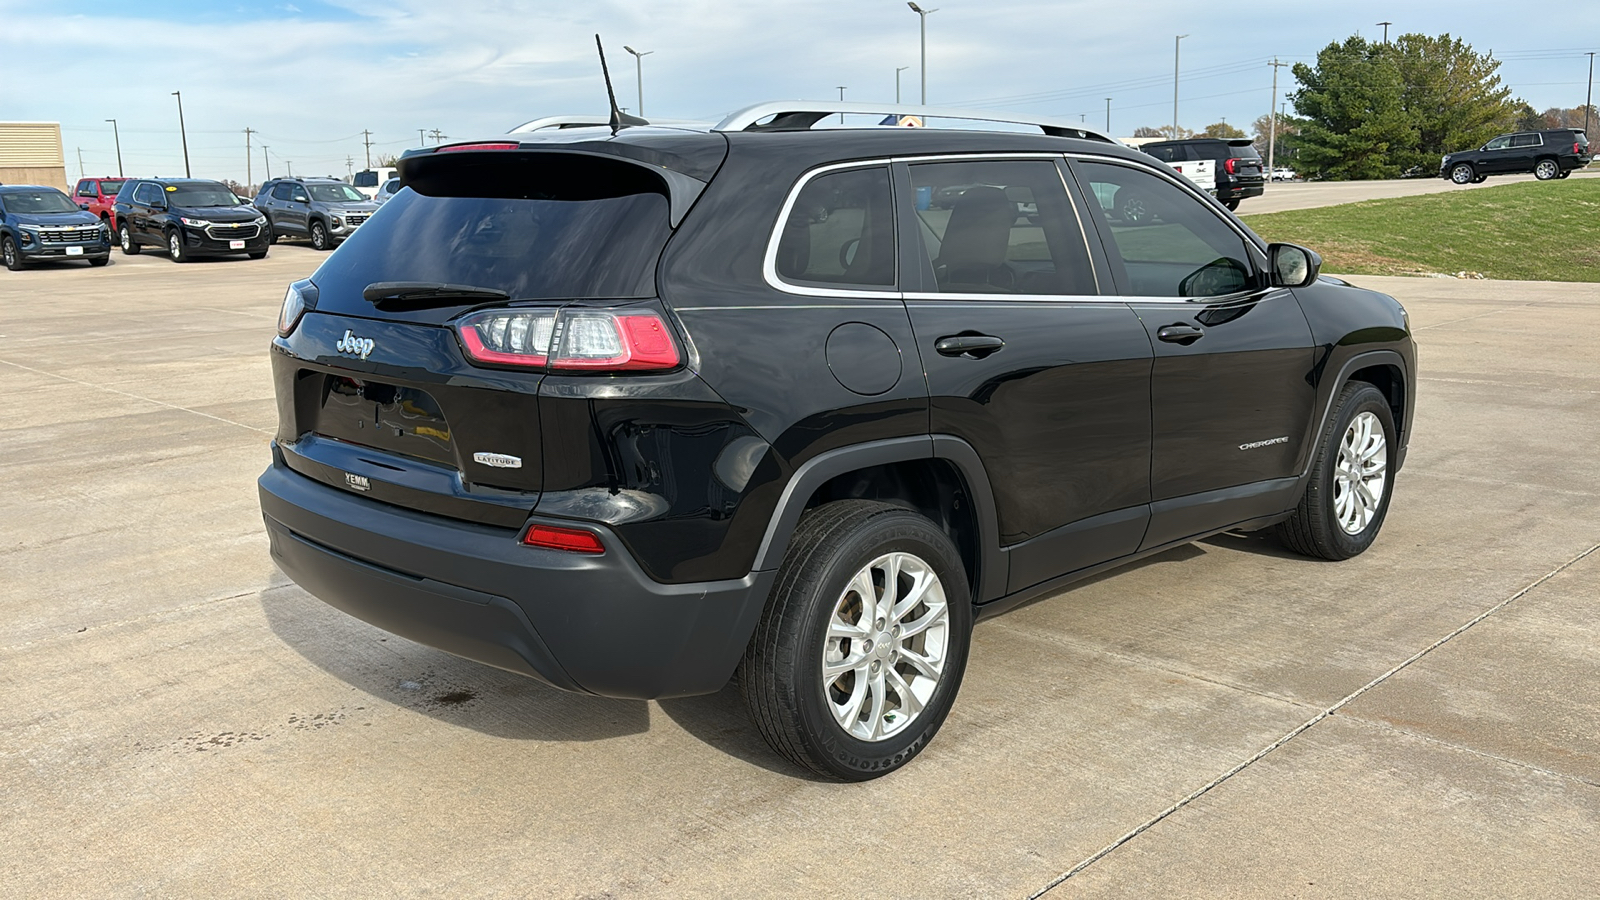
(376, 392)
(1244, 160)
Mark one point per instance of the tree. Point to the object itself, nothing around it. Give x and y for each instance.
(1452, 95)
(1354, 121)
(1288, 137)
(1222, 130)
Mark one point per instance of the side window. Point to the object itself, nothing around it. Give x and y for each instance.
(280, 191)
(1499, 143)
(86, 188)
(841, 231)
(145, 193)
(1169, 243)
(1526, 140)
(1001, 227)
(1166, 154)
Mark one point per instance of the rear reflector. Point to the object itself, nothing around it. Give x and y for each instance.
(572, 540)
(453, 148)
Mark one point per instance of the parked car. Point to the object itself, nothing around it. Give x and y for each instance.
(39, 224)
(389, 189)
(1547, 154)
(99, 196)
(188, 217)
(325, 211)
(1238, 171)
(627, 413)
(368, 181)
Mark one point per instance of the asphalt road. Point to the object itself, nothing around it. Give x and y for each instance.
(1282, 196)
(180, 720)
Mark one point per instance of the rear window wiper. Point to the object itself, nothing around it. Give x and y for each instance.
(422, 294)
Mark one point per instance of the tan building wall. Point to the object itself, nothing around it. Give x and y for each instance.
(31, 153)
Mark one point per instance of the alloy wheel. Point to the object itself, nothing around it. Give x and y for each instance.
(1461, 174)
(1546, 170)
(1361, 473)
(125, 238)
(886, 646)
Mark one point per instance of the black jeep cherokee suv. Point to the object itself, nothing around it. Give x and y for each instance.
(188, 217)
(1547, 154)
(626, 413)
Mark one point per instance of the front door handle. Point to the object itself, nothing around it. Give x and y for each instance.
(1180, 333)
(969, 344)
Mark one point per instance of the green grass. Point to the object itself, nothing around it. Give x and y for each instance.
(1531, 231)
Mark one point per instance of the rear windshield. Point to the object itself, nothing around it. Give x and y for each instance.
(110, 188)
(548, 231)
(1244, 151)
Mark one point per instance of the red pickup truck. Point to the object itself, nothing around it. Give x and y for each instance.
(99, 196)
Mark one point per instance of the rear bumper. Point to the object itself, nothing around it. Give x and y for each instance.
(582, 623)
(1239, 190)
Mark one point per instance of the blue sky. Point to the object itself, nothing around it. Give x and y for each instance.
(310, 75)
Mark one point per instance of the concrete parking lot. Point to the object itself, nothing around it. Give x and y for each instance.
(1281, 196)
(1224, 720)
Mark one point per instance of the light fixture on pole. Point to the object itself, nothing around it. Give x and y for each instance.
(638, 65)
(1175, 47)
(923, 14)
(1386, 30)
(118, 137)
(897, 72)
(184, 133)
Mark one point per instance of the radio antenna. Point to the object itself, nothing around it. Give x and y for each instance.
(619, 119)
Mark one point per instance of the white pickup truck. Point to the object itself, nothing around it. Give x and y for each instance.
(1203, 172)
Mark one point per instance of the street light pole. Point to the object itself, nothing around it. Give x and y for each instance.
(897, 72)
(638, 65)
(184, 133)
(841, 100)
(118, 137)
(1108, 116)
(1386, 30)
(249, 160)
(1588, 99)
(923, 14)
(1176, 44)
(267, 161)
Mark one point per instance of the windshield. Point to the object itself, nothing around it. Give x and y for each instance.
(335, 193)
(531, 249)
(197, 195)
(48, 200)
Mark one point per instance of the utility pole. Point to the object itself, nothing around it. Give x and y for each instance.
(924, 14)
(897, 72)
(1386, 30)
(438, 136)
(349, 167)
(422, 140)
(290, 164)
(367, 139)
(1176, 44)
(841, 100)
(267, 160)
(184, 132)
(1272, 118)
(638, 69)
(249, 174)
(1108, 116)
(80, 162)
(1588, 99)
(118, 137)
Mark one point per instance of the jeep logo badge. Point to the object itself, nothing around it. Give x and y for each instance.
(355, 346)
(358, 482)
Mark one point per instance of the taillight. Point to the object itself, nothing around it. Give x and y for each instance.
(1577, 149)
(586, 340)
(572, 540)
(454, 148)
(1231, 165)
(301, 296)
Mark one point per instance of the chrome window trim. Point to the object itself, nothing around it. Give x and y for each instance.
(1250, 237)
(769, 265)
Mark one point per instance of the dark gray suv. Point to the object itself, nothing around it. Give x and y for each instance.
(322, 210)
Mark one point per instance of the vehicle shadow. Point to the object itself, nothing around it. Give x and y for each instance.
(1261, 543)
(720, 721)
(452, 690)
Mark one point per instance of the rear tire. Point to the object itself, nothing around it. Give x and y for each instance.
(319, 236)
(10, 254)
(1352, 479)
(130, 247)
(844, 676)
(1232, 205)
(1546, 170)
(1462, 173)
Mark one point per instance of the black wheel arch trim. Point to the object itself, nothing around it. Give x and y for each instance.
(990, 580)
(1366, 360)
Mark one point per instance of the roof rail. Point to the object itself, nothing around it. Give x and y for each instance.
(800, 115)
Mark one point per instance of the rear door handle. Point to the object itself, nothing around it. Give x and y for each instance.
(969, 344)
(1180, 333)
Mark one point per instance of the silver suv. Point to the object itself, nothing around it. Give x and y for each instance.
(322, 210)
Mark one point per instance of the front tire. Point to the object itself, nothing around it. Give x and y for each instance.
(1347, 497)
(1546, 170)
(99, 261)
(319, 236)
(175, 247)
(1462, 173)
(130, 247)
(863, 644)
(10, 254)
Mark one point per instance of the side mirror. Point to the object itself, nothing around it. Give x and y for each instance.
(83, 206)
(301, 198)
(1292, 265)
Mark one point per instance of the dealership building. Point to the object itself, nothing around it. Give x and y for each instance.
(31, 153)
